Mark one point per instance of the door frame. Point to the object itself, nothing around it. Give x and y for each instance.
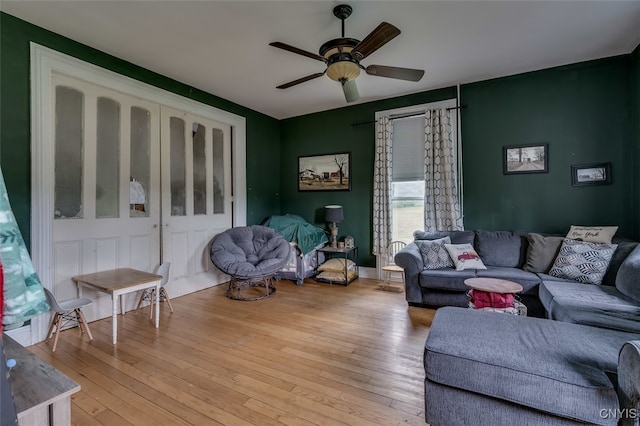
(44, 63)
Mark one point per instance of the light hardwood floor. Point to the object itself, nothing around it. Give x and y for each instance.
(314, 354)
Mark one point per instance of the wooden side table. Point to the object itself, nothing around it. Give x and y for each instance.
(493, 285)
(346, 252)
(498, 286)
(42, 394)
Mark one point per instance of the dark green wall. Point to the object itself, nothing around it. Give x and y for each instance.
(635, 114)
(263, 132)
(587, 112)
(582, 112)
(329, 132)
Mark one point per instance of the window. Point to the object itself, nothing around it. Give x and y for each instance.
(407, 202)
(408, 184)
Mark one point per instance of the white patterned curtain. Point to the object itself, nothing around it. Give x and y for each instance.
(441, 202)
(382, 174)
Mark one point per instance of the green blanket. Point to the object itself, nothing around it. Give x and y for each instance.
(297, 230)
(24, 297)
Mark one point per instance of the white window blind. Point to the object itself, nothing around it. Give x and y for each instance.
(408, 149)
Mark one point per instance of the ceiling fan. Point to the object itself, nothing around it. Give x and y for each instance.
(343, 55)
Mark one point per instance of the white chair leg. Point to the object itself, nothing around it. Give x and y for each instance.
(51, 325)
(85, 324)
(140, 301)
(164, 294)
(153, 296)
(387, 279)
(58, 326)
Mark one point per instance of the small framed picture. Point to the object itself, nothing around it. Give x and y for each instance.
(348, 242)
(525, 159)
(591, 174)
(330, 172)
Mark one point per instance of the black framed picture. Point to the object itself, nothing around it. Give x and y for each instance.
(591, 174)
(533, 158)
(327, 172)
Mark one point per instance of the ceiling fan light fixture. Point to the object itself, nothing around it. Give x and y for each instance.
(343, 70)
(343, 55)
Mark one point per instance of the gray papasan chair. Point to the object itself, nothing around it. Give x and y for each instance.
(251, 256)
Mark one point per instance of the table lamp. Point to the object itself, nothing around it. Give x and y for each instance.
(333, 214)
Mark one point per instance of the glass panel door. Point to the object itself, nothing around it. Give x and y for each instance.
(219, 171)
(196, 158)
(177, 167)
(107, 158)
(69, 149)
(140, 168)
(104, 142)
(199, 169)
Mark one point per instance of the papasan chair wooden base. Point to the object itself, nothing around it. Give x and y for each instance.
(251, 256)
(235, 287)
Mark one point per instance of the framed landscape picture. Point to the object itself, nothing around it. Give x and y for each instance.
(591, 174)
(328, 172)
(525, 159)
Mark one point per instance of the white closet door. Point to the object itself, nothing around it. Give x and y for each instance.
(196, 201)
(106, 186)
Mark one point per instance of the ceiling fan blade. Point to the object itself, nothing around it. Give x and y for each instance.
(350, 90)
(300, 80)
(292, 49)
(409, 74)
(383, 34)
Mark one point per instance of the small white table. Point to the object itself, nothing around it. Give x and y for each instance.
(118, 282)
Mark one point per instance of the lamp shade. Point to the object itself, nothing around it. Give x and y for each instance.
(333, 213)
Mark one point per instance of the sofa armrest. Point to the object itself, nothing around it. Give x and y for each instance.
(410, 259)
(629, 383)
(628, 278)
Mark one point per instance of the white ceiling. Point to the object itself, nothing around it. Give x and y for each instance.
(222, 47)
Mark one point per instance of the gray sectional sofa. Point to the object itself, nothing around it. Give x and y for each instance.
(504, 253)
(487, 368)
(614, 307)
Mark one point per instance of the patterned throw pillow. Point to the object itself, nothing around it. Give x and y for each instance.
(592, 234)
(581, 261)
(464, 256)
(434, 254)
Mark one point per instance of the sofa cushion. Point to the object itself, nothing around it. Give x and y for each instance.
(584, 262)
(621, 317)
(446, 279)
(628, 277)
(590, 304)
(517, 358)
(434, 254)
(547, 277)
(457, 237)
(588, 294)
(528, 280)
(541, 253)
(501, 248)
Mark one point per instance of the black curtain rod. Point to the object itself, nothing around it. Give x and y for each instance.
(396, 117)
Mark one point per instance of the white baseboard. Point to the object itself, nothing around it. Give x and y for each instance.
(21, 335)
(365, 272)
